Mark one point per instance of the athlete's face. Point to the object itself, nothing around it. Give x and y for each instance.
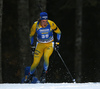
(43, 23)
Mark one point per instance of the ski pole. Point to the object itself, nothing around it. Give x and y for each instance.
(65, 65)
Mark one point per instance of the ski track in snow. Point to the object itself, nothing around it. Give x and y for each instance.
(51, 86)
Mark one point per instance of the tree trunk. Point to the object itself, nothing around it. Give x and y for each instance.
(23, 30)
(97, 49)
(78, 41)
(1, 5)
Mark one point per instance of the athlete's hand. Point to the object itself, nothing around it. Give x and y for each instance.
(56, 45)
(33, 49)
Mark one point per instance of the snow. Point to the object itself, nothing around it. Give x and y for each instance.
(51, 86)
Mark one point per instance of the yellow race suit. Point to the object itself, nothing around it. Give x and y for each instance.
(45, 42)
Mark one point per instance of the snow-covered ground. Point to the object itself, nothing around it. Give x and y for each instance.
(52, 86)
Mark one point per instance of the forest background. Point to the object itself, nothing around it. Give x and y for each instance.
(79, 22)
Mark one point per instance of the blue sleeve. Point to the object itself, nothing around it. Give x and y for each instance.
(58, 37)
(32, 40)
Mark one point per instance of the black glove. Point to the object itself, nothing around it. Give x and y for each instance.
(33, 49)
(56, 45)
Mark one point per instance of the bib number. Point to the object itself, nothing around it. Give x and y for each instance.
(45, 36)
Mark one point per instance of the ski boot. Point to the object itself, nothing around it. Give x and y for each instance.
(43, 77)
(28, 79)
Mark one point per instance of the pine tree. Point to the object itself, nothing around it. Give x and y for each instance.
(78, 41)
(23, 30)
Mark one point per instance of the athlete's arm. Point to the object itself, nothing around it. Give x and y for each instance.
(32, 32)
(55, 29)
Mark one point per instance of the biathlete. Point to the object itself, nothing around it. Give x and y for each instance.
(44, 29)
